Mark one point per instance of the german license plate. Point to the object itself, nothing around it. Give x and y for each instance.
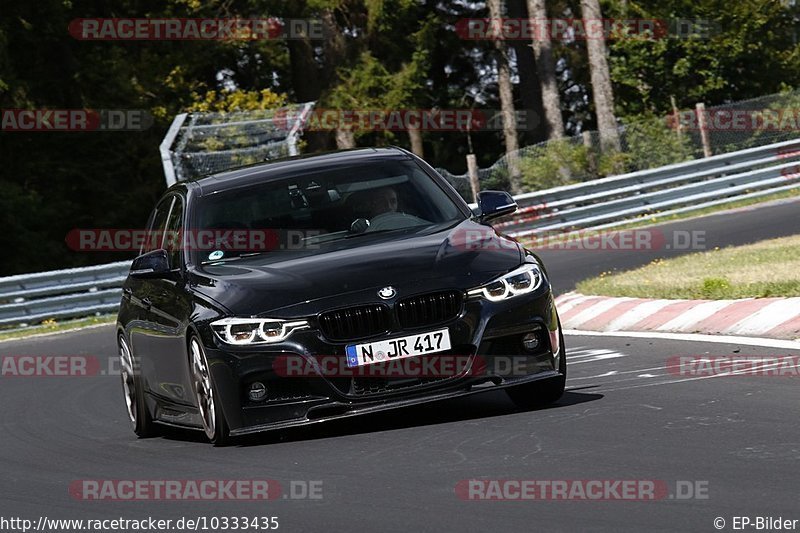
(397, 348)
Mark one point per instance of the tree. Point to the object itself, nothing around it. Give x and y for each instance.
(506, 101)
(602, 92)
(546, 68)
(731, 51)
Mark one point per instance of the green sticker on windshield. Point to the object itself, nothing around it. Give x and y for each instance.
(216, 254)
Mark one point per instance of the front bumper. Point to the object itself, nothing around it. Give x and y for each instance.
(487, 353)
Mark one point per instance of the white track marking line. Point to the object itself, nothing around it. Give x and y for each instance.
(693, 337)
(766, 318)
(694, 315)
(588, 356)
(599, 357)
(580, 354)
(729, 374)
(622, 372)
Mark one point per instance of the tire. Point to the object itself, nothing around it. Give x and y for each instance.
(133, 391)
(545, 392)
(206, 396)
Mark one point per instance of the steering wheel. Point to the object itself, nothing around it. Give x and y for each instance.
(393, 220)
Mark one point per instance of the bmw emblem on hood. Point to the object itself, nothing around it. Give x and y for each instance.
(387, 292)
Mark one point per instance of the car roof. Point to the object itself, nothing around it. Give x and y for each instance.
(291, 166)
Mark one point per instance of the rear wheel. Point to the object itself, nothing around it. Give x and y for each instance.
(214, 423)
(545, 392)
(138, 414)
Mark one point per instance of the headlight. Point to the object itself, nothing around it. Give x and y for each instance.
(241, 331)
(523, 280)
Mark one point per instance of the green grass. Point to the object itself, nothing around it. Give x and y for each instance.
(765, 269)
(51, 326)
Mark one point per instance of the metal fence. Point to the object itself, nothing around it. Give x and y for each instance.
(603, 203)
(668, 190)
(646, 144)
(70, 293)
(198, 144)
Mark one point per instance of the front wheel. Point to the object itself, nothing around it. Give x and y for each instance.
(214, 424)
(138, 414)
(545, 392)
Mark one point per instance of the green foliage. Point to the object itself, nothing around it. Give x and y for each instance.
(236, 100)
(498, 180)
(741, 50)
(651, 142)
(783, 109)
(362, 86)
(613, 162)
(556, 163)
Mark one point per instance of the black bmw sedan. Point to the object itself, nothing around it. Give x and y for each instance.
(314, 288)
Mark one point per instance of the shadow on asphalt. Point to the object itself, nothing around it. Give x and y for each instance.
(484, 406)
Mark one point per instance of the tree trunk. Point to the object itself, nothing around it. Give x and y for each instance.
(506, 103)
(415, 136)
(333, 47)
(546, 67)
(305, 77)
(601, 82)
(333, 51)
(532, 127)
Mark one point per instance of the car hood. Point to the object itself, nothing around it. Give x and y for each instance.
(460, 257)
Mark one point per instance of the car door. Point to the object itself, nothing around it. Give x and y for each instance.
(140, 292)
(168, 315)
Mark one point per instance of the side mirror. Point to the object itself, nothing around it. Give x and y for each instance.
(154, 264)
(495, 204)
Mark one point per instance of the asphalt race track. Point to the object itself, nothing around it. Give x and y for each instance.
(627, 415)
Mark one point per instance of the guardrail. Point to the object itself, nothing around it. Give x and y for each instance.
(75, 292)
(70, 293)
(667, 190)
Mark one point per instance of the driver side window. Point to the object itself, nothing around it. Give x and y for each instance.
(155, 233)
(174, 238)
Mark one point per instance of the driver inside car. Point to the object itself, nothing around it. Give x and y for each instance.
(379, 202)
(383, 200)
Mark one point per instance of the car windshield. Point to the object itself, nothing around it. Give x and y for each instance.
(321, 211)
